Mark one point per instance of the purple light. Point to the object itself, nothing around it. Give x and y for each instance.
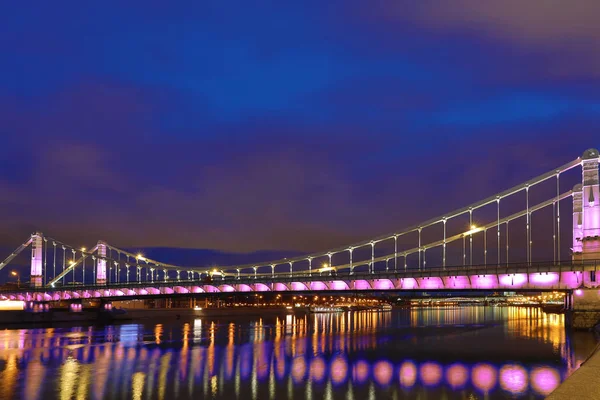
(579, 292)
(317, 369)
(299, 286)
(245, 361)
(263, 365)
(298, 369)
(513, 280)
(261, 287)
(484, 377)
(244, 288)
(458, 282)
(318, 286)
(280, 367)
(457, 375)
(570, 279)
(339, 370)
(227, 288)
(280, 287)
(431, 283)
(544, 279)
(211, 289)
(409, 283)
(408, 374)
(339, 285)
(384, 284)
(431, 373)
(383, 371)
(513, 378)
(361, 285)
(484, 281)
(544, 380)
(360, 371)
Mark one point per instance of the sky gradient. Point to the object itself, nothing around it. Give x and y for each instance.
(283, 126)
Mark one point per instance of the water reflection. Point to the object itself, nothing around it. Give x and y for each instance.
(353, 355)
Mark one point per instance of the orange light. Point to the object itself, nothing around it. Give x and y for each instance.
(12, 305)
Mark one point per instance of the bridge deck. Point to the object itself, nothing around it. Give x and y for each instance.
(511, 277)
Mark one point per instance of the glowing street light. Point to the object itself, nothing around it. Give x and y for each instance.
(474, 229)
(15, 273)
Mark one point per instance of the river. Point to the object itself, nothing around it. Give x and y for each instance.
(435, 353)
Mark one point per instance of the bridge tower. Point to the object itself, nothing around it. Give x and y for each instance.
(586, 210)
(584, 303)
(101, 267)
(37, 253)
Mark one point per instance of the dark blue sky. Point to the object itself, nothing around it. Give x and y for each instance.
(243, 126)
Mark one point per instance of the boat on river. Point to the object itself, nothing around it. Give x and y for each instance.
(324, 309)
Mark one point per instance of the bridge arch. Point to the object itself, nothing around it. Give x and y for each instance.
(261, 287)
(409, 283)
(226, 288)
(318, 285)
(280, 287)
(339, 285)
(211, 289)
(430, 282)
(383, 284)
(242, 287)
(362, 284)
(299, 286)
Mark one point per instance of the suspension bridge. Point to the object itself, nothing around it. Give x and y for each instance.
(482, 246)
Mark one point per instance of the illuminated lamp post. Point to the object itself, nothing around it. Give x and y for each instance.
(15, 273)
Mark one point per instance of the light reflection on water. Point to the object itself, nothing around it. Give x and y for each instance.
(481, 352)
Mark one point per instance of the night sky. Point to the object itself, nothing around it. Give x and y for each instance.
(282, 126)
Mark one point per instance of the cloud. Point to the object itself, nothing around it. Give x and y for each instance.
(290, 130)
(554, 32)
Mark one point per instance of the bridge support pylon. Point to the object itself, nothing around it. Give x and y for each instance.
(584, 312)
(586, 213)
(37, 254)
(586, 210)
(101, 266)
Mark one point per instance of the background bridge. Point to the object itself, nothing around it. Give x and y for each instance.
(486, 245)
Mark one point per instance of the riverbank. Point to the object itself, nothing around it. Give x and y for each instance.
(584, 383)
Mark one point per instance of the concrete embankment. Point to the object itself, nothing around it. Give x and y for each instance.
(583, 384)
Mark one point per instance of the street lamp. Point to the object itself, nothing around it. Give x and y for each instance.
(15, 273)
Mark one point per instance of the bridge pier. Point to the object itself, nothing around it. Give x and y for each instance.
(37, 253)
(583, 308)
(101, 267)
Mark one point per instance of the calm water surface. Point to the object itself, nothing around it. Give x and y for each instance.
(438, 353)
